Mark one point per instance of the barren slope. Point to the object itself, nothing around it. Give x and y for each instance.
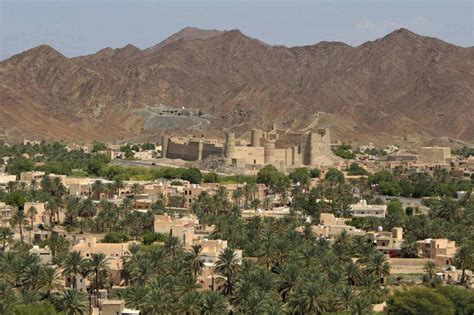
(401, 84)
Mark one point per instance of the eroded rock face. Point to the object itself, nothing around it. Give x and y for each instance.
(400, 84)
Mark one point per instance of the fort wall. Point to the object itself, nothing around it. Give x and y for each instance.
(279, 147)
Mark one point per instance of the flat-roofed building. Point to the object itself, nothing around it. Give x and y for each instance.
(6, 212)
(5, 179)
(276, 212)
(211, 250)
(62, 178)
(111, 307)
(191, 193)
(44, 253)
(182, 228)
(388, 242)
(362, 209)
(441, 250)
(157, 190)
(29, 176)
(41, 215)
(113, 251)
(331, 226)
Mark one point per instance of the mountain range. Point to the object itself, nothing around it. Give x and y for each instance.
(401, 86)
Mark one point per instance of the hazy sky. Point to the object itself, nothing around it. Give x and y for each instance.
(77, 27)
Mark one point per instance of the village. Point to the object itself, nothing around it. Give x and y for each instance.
(107, 236)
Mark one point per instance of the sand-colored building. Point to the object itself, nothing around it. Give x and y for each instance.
(113, 251)
(211, 249)
(41, 216)
(183, 228)
(276, 212)
(6, 212)
(362, 210)
(330, 227)
(5, 179)
(190, 149)
(78, 186)
(111, 307)
(44, 253)
(388, 242)
(282, 148)
(441, 250)
(191, 193)
(29, 176)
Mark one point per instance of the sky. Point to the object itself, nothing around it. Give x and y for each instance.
(80, 27)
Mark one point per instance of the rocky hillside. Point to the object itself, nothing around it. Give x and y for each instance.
(401, 84)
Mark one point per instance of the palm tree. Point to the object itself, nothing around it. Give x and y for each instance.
(142, 271)
(307, 299)
(34, 184)
(49, 280)
(464, 259)
(430, 268)
(268, 255)
(196, 262)
(157, 300)
(109, 189)
(257, 303)
(51, 208)
(371, 288)
(289, 279)
(135, 296)
(6, 235)
(308, 255)
(361, 306)
(255, 203)
(159, 260)
(7, 297)
(213, 304)
(409, 247)
(118, 185)
(190, 303)
(97, 188)
(86, 210)
(228, 266)
(73, 266)
(187, 283)
(236, 196)
(136, 189)
(265, 281)
(30, 275)
(97, 265)
(378, 266)
(32, 212)
(353, 273)
(173, 246)
(19, 218)
(346, 297)
(57, 245)
(71, 302)
(11, 186)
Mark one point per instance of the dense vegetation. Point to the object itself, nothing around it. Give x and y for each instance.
(344, 151)
(419, 184)
(464, 151)
(286, 268)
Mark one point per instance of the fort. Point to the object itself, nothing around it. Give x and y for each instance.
(282, 148)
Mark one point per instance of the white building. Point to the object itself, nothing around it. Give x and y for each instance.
(362, 210)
